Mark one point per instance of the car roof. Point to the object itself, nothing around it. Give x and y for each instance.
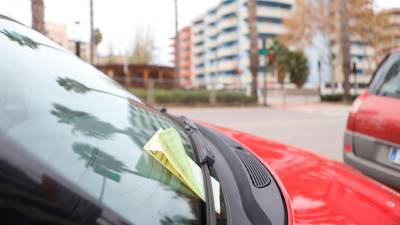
(11, 19)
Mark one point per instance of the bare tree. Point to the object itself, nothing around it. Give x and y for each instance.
(143, 50)
(344, 42)
(254, 51)
(371, 26)
(339, 21)
(308, 19)
(37, 8)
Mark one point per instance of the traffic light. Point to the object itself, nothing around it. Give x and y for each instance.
(270, 58)
(263, 51)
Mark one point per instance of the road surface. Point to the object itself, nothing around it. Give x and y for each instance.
(316, 127)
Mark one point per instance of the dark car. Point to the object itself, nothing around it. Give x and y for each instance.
(372, 142)
(72, 152)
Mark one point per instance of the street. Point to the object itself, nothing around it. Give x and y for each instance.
(316, 127)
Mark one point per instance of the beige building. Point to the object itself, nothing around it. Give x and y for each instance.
(58, 33)
(84, 49)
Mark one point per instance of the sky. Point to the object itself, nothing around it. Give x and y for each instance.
(119, 20)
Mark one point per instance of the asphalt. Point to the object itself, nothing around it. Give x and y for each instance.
(313, 127)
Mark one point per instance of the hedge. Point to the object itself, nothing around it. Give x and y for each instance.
(335, 97)
(194, 97)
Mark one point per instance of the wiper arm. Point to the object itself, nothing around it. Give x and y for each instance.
(205, 155)
(207, 160)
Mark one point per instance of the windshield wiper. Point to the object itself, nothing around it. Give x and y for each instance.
(207, 160)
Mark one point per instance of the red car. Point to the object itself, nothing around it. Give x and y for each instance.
(372, 140)
(72, 153)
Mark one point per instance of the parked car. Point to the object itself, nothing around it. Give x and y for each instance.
(372, 139)
(71, 152)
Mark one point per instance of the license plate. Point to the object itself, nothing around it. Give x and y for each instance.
(394, 155)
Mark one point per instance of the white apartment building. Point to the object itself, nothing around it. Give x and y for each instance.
(221, 43)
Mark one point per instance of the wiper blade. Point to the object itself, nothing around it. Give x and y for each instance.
(207, 160)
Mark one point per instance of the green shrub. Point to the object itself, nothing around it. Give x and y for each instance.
(335, 97)
(234, 98)
(194, 97)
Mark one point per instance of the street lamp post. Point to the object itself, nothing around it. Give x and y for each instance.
(177, 44)
(264, 52)
(92, 48)
(78, 41)
(319, 78)
(355, 78)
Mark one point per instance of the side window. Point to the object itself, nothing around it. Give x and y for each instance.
(387, 80)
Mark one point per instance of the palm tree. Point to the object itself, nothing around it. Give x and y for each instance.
(254, 54)
(37, 7)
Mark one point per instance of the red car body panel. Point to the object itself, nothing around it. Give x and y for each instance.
(378, 117)
(321, 191)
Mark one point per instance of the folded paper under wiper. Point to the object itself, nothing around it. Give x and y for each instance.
(167, 148)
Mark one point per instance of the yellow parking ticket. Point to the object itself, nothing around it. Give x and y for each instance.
(167, 148)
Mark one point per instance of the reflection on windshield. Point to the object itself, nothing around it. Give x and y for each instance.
(143, 126)
(20, 39)
(101, 162)
(143, 123)
(176, 220)
(84, 123)
(59, 109)
(72, 85)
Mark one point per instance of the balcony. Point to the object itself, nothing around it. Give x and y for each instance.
(227, 65)
(223, 52)
(227, 37)
(228, 23)
(212, 44)
(227, 9)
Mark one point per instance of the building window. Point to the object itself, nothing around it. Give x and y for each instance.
(201, 65)
(269, 19)
(228, 44)
(200, 43)
(197, 22)
(274, 4)
(227, 2)
(229, 15)
(228, 58)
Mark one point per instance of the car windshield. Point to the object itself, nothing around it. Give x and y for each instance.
(84, 126)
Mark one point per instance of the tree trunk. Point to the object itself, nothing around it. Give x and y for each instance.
(345, 47)
(254, 54)
(37, 7)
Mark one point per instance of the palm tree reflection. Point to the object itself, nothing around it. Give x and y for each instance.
(22, 40)
(111, 168)
(73, 85)
(101, 162)
(85, 123)
(144, 121)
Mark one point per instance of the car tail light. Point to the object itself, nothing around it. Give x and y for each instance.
(348, 148)
(354, 110)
